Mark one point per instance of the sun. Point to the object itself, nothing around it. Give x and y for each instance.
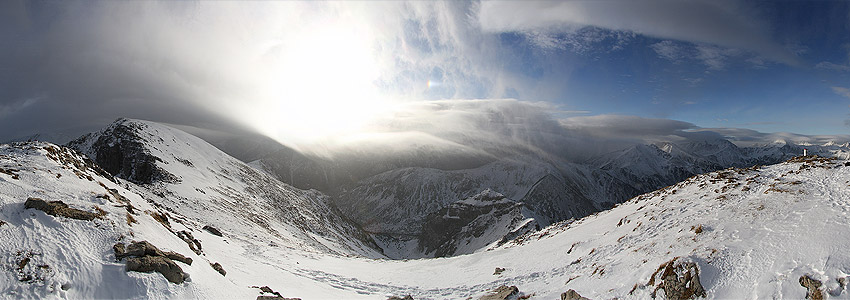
(322, 84)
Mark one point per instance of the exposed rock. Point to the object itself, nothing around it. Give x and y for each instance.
(812, 286)
(498, 271)
(119, 251)
(468, 219)
(274, 295)
(219, 269)
(190, 240)
(572, 295)
(145, 257)
(10, 172)
(266, 289)
(178, 257)
(159, 264)
(2, 222)
(59, 209)
(212, 230)
(408, 297)
(502, 293)
(120, 150)
(142, 248)
(679, 280)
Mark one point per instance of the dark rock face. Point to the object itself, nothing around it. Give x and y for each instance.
(460, 220)
(502, 293)
(145, 257)
(159, 264)
(212, 230)
(812, 287)
(572, 295)
(219, 269)
(679, 280)
(120, 150)
(59, 209)
(408, 297)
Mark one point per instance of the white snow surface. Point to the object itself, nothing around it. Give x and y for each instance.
(761, 230)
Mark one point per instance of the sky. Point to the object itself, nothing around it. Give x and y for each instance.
(316, 75)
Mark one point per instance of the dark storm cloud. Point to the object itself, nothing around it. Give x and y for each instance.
(76, 66)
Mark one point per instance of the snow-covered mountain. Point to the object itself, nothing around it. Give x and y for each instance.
(187, 176)
(763, 232)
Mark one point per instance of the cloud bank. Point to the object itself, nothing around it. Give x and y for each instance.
(724, 23)
(317, 76)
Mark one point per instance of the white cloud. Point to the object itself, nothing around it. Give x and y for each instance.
(722, 23)
(714, 57)
(825, 65)
(842, 91)
(668, 50)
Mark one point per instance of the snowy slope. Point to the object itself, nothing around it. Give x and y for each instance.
(187, 176)
(760, 230)
(751, 232)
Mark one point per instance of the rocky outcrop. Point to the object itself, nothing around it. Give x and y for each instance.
(812, 287)
(408, 297)
(190, 240)
(502, 293)
(218, 268)
(572, 295)
(59, 209)
(678, 279)
(266, 293)
(159, 264)
(487, 217)
(212, 230)
(145, 257)
(120, 150)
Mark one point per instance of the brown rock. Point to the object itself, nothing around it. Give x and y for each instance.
(219, 268)
(118, 248)
(178, 257)
(142, 248)
(159, 264)
(812, 286)
(59, 209)
(190, 240)
(679, 280)
(572, 295)
(502, 293)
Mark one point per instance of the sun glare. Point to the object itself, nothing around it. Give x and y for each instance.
(322, 84)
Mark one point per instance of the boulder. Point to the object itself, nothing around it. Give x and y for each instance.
(178, 257)
(219, 269)
(502, 293)
(212, 230)
(142, 248)
(159, 264)
(812, 287)
(679, 280)
(59, 209)
(572, 295)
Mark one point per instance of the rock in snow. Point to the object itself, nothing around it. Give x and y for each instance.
(764, 232)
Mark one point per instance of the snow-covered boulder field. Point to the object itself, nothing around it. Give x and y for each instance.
(181, 219)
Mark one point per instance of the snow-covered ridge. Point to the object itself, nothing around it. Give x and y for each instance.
(748, 233)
